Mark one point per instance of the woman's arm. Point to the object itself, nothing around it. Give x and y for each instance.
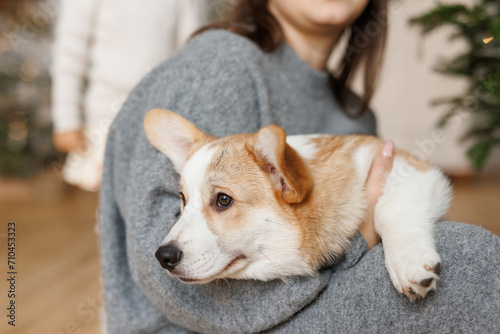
(362, 299)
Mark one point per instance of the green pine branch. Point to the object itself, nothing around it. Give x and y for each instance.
(479, 64)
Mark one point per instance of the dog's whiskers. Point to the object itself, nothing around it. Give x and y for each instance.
(218, 283)
(229, 285)
(277, 271)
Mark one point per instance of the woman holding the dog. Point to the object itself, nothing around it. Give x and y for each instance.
(266, 64)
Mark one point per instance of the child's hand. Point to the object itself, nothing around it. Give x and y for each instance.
(69, 141)
(381, 167)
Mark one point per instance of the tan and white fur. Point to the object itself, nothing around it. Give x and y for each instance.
(293, 204)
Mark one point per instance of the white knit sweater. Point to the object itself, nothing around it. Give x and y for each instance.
(102, 49)
(110, 45)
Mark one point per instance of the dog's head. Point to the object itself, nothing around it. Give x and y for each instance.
(237, 202)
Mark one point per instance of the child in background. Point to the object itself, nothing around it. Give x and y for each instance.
(102, 49)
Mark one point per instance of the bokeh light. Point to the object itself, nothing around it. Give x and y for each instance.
(30, 70)
(18, 130)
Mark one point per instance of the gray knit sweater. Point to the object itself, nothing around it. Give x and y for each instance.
(225, 84)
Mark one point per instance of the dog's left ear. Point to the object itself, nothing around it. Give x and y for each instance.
(173, 135)
(287, 171)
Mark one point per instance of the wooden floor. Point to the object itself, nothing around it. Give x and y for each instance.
(58, 289)
(477, 201)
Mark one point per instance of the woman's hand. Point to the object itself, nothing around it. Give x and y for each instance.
(381, 167)
(69, 141)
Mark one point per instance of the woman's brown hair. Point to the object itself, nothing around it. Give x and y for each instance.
(365, 46)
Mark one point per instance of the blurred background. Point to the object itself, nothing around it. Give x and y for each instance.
(58, 287)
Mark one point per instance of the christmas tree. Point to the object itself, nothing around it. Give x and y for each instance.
(479, 27)
(25, 126)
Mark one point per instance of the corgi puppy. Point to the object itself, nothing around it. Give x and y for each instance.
(264, 206)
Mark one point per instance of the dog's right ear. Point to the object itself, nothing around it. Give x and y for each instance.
(172, 135)
(288, 173)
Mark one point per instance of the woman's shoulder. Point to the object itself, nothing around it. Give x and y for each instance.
(217, 57)
(217, 48)
(212, 75)
(224, 37)
(225, 42)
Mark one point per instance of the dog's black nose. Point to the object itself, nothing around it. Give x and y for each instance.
(169, 256)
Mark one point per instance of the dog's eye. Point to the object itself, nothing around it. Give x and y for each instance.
(183, 199)
(224, 200)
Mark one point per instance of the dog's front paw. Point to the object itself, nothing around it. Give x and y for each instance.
(413, 270)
